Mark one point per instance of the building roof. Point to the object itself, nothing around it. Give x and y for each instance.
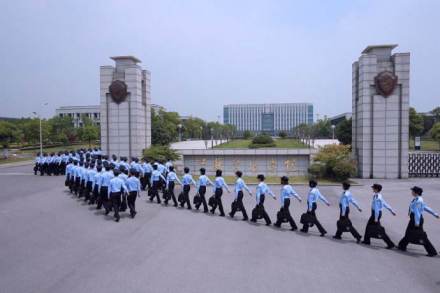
(131, 58)
(368, 49)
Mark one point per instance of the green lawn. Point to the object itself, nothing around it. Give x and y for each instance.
(14, 160)
(426, 145)
(57, 149)
(230, 180)
(288, 143)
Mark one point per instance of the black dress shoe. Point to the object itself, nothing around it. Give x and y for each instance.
(293, 229)
(244, 219)
(390, 247)
(323, 234)
(337, 237)
(366, 243)
(431, 254)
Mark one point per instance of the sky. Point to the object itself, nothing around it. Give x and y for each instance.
(205, 54)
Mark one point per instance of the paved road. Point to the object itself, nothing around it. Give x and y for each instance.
(51, 242)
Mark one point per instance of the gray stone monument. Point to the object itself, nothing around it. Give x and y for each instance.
(380, 112)
(125, 107)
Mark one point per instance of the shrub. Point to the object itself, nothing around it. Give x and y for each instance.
(247, 134)
(160, 153)
(333, 162)
(282, 134)
(262, 141)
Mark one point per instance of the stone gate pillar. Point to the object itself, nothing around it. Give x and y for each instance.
(380, 104)
(125, 107)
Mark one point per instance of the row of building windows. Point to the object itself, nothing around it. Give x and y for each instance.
(268, 117)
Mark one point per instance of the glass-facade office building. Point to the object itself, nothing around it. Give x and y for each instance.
(268, 118)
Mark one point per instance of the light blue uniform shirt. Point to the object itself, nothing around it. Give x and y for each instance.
(76, 171)
(188, 179)
(133, 184)
(313, 197)
(172, 177)
(287, 191)
(378, 204)
(106, 177)
(123, 176)
(156, 175)
(117, 185)
(97, 179)
(345, 200)
(91, 175)
(146, 168)
(162, 169)
(417, 207)
(204, 181)
(69, 169)
(261, 189)
(168, 165)
(219, 182)
(240, 186)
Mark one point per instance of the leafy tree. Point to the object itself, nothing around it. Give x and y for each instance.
(343, 131)
(89, 133)
(8, 133)
(435, 132)
(164, 128)
(436, 113)
(322, 129)
(193, 128)
(61, 129)
(247, 134)
(160, 153)
(333, 162)
(415, 123)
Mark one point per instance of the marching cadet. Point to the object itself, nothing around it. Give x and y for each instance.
(219, 184)
(37, 163)
(117, 187)
(414, 231)
(96, 184)
(123, 163)
(69, 168)
(287, 192)
(187, 180)
(238, 205)
(202, 183)
(134, 188)
(156, 177)
(146, 174)
(374, 229)
(171, 181)
(73, 172)
(168, 164)
(123, 173)
(312, 199)
(83, 172)
(90, 175)
(260, 195)
(104, 184)
(344, 222)
(77, 176)
(44, 166)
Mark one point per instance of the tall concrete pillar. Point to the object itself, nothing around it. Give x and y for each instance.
(380, 103)
(125, 107)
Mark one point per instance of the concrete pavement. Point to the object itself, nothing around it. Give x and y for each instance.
(51, 242)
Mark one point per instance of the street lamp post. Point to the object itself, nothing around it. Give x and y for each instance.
(41, 130)
(41, 133)
(180, 131)
(333, 131)
(212, 138)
